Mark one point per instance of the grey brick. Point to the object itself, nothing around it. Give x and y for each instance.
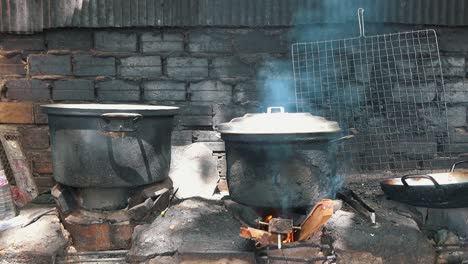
(141, 66)
(184, 67)
(453, 39)
(208, 41)
(456, 116)
(11, 64)
(414, 148)
(456, 92)
(157, 42)
(181, 137)
(86, 65)
(259, 41)
(21, 89)
(40, 117)
(115, 41)
(459, 136)
(206, 136)
(193, 121)
(453, 73)
(211, 91)
(164, 90)
(82, 90)
(248, 92)
(453, 61)
(69, 40)
(49, 65)
(196, 109)
(228, 67)
(416, 94)
(117, 90)
(22, 42)
(210, 86)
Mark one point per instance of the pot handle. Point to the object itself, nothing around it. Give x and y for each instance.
(271, 108)
(134, 116)
(120, 122)
(456, 163)
(419, 176)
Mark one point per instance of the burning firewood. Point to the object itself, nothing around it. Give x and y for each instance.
(319, 215)
(261, 236)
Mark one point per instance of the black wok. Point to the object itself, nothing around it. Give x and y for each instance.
(438, 190)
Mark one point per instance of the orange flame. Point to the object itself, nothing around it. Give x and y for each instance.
(289, 237)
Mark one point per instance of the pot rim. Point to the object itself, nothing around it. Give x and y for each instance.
(99, 109)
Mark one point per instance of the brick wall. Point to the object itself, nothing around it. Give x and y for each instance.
(213, 74)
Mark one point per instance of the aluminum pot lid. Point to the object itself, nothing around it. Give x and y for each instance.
(277, 121)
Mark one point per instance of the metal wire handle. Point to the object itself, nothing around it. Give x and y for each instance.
(362, 32)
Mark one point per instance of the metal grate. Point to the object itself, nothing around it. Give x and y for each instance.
(6, 164)
(387, 90)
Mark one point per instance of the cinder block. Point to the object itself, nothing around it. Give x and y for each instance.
(196, 109)
(248, 92)
(209, 41)
(186, 67)
(117, 90)
(206, 136)
(164, 91)
(193, 121)
(453, 39)
(69, 40)
(158, 42)
(16, 113)
(22, 89)
(41, 160)
(230, 67)
(11, 65)
(456, 116)
(453, 61)
(211, 91)
(44, 183)
(141, 66)
(34, 137)
(22, 42)
(44, 64)
(181, 137)
(85, 65)
(82, 90)
(115, 41)
(40, 118)
(259, 41)
(456, 92)
(414, 94)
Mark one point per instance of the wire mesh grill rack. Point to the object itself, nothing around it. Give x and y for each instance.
(387, 90)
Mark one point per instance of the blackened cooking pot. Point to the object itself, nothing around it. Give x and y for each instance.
(280, 160)
(96, 146)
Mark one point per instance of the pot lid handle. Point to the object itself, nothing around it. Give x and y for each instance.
(419, 176)
(456, 163)
(271, 108)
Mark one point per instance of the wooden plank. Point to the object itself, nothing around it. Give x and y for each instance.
(319, 215)
(16, 113)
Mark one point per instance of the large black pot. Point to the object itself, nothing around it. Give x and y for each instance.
(100, 146)
(280, 160)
